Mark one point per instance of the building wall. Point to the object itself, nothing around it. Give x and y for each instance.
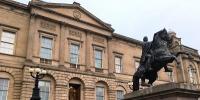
(31, 23)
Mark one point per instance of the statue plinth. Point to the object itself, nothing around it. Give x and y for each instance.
(169, 91)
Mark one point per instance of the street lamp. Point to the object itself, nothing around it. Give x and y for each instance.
(37, 74)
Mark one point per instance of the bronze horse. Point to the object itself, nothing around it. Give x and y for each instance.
(160, 56)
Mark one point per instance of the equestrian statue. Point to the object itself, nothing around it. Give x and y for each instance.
(155, 56)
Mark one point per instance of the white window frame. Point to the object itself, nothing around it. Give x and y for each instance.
(78, 54)
(49, 92)
(10, 30)
(118, 65)
(117, 94)
(47, 35)
(45, 47)
(102, 87)
(7, 87)
(95, 58)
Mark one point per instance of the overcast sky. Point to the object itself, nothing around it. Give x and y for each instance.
(138, 18)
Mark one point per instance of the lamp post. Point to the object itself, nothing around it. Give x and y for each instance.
(37, 74)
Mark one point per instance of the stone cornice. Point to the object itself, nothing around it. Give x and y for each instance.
(54, 12)
(74, 5)
(70, 70)
(15, 4)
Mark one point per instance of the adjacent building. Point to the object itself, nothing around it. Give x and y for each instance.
(83, 57)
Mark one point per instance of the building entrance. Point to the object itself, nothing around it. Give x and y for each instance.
(74, 91)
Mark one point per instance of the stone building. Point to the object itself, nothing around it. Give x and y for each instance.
(83, 57)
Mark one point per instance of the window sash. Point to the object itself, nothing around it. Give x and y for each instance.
(118, 64)
(44, 89)
(100, 93)
(120, 94)
(4, 83)
(118, 69)
(98, 54)
(98, 58)
(8, 37)
(7, 42)
(74, 53)
(98, 63)
(46, 47)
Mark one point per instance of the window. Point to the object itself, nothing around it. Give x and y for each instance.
(99, 93)
(44, 89)
(192, 75)
(170, 75)
(46, 50)
(120, 94)
(74, 53)
(98, 58)
(3, 89)
(7, 42)
(118, 64)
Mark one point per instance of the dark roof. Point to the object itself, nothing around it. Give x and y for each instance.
(125, 38)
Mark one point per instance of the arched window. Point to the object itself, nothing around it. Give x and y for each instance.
(120, 93)
(47, 88)
(101, 91)
(6, 86)
(192, 74)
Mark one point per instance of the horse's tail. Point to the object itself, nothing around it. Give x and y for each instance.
(136, 84)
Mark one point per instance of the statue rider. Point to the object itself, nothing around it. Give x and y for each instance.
(145, 61)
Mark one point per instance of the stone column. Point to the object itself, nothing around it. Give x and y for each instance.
(32, 31)
(88, 46)
(110, 57)
(180, 71)
(62, 45)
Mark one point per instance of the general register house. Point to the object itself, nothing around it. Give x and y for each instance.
(83, 57)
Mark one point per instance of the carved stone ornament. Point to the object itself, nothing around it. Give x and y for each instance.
(98, 39)
(47, 25)
(77, 14)
(75, 33)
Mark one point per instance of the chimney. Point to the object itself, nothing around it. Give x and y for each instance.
(76, 3)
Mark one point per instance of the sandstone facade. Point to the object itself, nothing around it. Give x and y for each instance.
(68, 24)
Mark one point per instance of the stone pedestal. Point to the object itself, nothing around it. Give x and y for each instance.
(169, 91)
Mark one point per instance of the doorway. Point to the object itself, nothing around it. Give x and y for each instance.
(74, 91)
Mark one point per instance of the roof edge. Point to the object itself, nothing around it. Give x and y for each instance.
(132, 40)
(42, 3)
(15, 3)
